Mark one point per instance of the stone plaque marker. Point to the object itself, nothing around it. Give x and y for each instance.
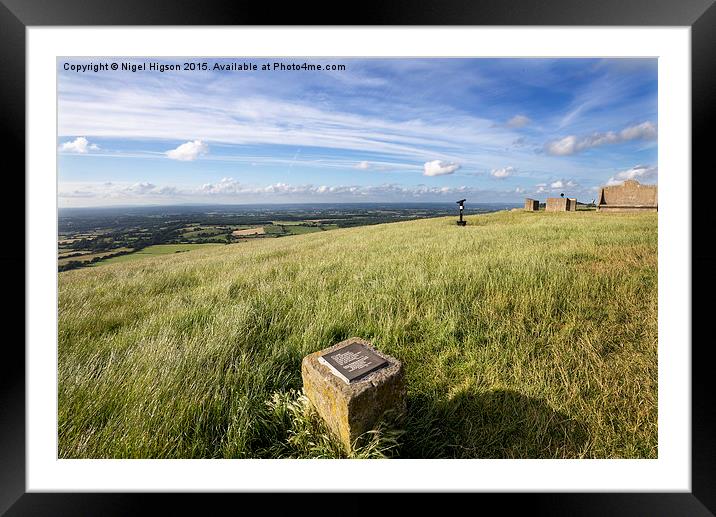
(353, 387)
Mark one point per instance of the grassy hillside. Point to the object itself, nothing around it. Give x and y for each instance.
(523, 334)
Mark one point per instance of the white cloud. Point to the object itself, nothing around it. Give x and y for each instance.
(141, 188)
(556, 186)
(439, 168)
(562, 147)
(362, 165)
(79, 145)
(188, 151)
(518, 121)
(559, 184)
(638, 172)
(279, 188)
(643, 131)
(77, 194)
(224, 186)
(119, 191)
(228, 190)
(503, 172)
(571, 145)
(597, 139)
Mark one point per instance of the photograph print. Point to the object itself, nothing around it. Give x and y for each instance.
(357, 257)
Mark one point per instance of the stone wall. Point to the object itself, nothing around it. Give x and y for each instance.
(629, 196)
(557, 204)
(531, 205)
(572, 204)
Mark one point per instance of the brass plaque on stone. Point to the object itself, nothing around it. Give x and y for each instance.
(353, 362)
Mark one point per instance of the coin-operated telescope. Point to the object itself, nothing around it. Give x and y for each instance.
(461, 204)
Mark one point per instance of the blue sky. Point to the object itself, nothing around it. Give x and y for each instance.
(382, 130)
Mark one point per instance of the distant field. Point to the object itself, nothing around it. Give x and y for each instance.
(159, 249)
(249, 231)
(203, 231)
(296, 229)
(524, 335)
(85, 257)
(65, 253)
(300, 230)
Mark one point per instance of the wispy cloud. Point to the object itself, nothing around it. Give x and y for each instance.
(643, 131)
(571, 144)
(133, 112)
(576, 112)
(518, 121)
(610, 85)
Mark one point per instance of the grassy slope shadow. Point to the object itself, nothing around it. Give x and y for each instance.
(494, 424)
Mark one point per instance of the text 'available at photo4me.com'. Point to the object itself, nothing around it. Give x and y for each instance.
(202, 66)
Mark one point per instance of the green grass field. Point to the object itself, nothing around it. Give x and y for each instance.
(159, 249)
(300, 230)
(524, 335)
(86, 257)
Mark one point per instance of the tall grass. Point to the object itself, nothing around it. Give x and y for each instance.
(523, 335)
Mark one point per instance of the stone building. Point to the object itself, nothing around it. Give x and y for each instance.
(531, 205)
(627, 197)
(572, 205)
(557, 204)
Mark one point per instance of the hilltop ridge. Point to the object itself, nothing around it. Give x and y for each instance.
(523, 335)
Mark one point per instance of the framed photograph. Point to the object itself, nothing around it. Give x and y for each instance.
(423, 252)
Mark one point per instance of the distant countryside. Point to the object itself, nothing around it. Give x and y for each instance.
(96, 236)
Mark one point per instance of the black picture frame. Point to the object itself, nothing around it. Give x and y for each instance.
(700, 15)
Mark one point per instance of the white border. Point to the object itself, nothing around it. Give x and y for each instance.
(671, 471)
